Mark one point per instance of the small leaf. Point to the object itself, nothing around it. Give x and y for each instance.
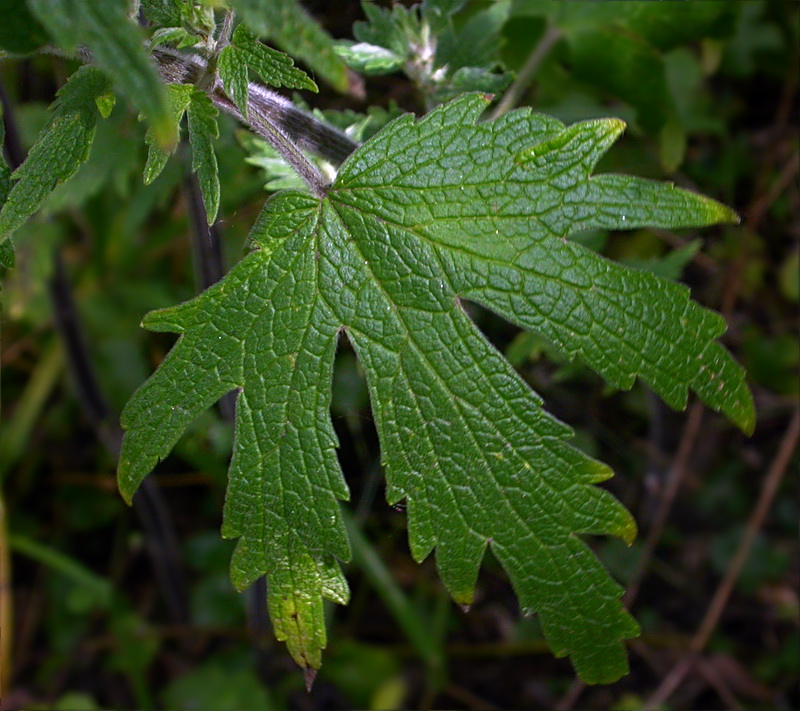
(179, 96)
(426, 213)
(273, 67)
(117, 45)
(437, 13)
(203, 130)
(59, 151)
(105, 103)
(287, 24)
(167, 13)
(369, 58)
(173, 35)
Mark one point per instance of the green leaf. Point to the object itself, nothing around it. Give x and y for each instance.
(179, 96)
(423, 215)
(173, 35)
(20, 32)
(117, 46)
(246, 52)
(59, 151)
(167, 13)
(203, 130)
(369, 58)
(288, 24)
(618, 47)
(437, 13)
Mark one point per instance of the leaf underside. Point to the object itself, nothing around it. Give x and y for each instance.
(425, 214)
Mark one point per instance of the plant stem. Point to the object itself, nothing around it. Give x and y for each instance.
(303, 129)
(775, 475)
(224, 37)
(520, 84)
(261, 121)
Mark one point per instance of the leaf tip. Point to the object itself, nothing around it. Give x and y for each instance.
(309, 675)
(628, 531)
(745, 418)
(616, 126)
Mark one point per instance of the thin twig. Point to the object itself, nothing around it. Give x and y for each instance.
(304, 129)
(262, 123)
(691, 431)
(570, 698)
(523, 79)
(775, 475)
(755, 213)
(151, 510)
(224, 38)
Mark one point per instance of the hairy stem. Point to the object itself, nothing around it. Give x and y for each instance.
(297, 126)
(262, 122)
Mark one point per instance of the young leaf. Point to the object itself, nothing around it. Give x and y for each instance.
(178, 36)
(59, 151)
(295, 31)
(203, 129)
(117, 45)
(167, 13)
(246, 52)
(179, 96)
(424, 214)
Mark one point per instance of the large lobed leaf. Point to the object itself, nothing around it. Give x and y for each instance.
(424, 214)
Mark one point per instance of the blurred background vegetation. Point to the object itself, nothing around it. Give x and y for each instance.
(102, 606)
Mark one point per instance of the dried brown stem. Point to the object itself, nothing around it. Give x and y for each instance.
(775, 475)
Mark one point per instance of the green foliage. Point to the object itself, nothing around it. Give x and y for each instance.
(423, 42)
(274, 68)
(286, 23)
(117, 46)
(202, 122)
(217, 687)
(424, 213)
(60, 150)
(203, 129)
(20, 32)
(639, 33)
(428, 214)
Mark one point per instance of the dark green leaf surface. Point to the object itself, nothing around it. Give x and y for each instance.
(203, 129)
(288, 24)
(117, 46)
(426, 213)
(246, 52)
(59, 151)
